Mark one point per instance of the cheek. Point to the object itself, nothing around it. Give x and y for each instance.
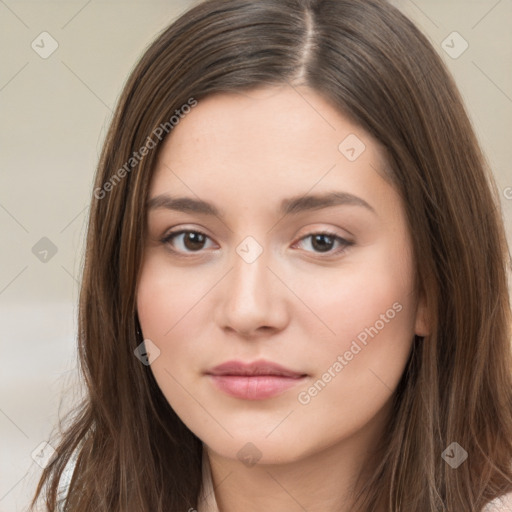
(171, 309)
(367, 308)
(162, 312)
(370, 310)
(166, 297)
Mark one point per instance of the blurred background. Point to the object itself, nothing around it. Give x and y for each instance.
(61, 72)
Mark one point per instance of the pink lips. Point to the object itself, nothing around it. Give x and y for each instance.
(254, 381)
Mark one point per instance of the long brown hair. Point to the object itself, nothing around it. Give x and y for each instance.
(374, 65)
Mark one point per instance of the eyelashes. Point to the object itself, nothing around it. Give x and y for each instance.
(194, 242)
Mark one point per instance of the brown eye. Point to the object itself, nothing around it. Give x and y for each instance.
(322, 242)
(186, 241)
(326, 242)
(194, 241)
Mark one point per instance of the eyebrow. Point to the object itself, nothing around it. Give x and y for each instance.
(290, 206)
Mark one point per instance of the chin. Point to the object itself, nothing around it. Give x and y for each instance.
(256, 448)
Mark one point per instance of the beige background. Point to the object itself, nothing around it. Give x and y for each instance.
(54, 113)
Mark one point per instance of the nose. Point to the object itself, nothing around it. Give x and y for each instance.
(253, 300)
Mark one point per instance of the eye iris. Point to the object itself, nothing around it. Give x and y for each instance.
(319, 242)
(194, 241)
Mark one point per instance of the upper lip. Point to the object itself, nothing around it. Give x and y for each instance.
(260, 367)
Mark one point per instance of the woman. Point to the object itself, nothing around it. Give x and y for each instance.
(295, 286)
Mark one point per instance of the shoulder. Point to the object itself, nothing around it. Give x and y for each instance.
(501, 504)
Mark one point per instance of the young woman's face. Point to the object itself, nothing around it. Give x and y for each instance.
(288, 247)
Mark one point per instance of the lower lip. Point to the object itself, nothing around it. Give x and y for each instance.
(254, 387)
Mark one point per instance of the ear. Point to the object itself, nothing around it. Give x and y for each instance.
(422, 325)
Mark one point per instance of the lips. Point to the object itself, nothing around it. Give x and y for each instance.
(260, 367)
(254, 381)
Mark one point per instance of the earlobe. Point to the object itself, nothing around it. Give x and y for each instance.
(422, 324)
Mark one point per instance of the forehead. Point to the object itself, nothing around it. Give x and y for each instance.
(266, 144)
(272, 123)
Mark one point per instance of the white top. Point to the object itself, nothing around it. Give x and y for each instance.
(208, 503)
(501, 504)
(65, 480)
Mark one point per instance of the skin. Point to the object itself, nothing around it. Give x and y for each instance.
(295, 304)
